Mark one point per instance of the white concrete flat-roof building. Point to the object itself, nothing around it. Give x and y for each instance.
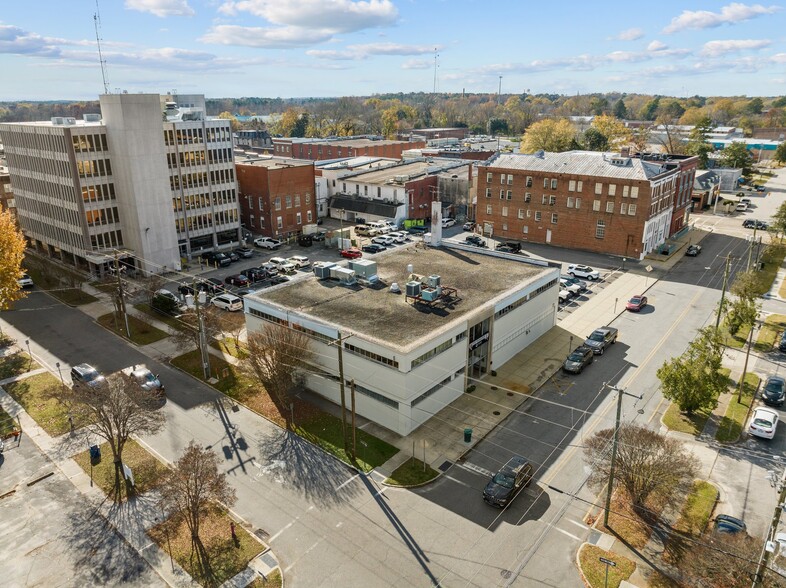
(410, 357)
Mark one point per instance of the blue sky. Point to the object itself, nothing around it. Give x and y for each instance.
(286, 48)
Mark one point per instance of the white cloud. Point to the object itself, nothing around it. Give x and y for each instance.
(416, 64)
(368, 49)
(161, 8)
(20, 42)
(656, 46)
(626, 56)
(717, 48)
(630, 35)
(779, 58)
(731, 14)
(285, 37)
(333, 55)
(340, 16)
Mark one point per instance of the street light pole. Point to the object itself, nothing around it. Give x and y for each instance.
(29, 354)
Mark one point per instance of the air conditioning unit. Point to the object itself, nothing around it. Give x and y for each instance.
(401, 179)
(413, 288)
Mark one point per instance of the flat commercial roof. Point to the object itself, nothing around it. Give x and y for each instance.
(377, 314)
(273, 162)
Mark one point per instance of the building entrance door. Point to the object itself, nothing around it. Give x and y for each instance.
(478, 354)
(548, 235)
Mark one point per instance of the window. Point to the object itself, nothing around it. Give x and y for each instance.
(510, 179)
(510, 194)
(545, 182)
(625, 191)
(365, 190)
(279, 222)
(529, 213)
(600, 229)
(488, 192)
(543, 199)
(572, 186)
(489, 177)
(578, 202)
(553, 184)
(504, 226)
(634, 191)
(521, 213)
(623, 208)
(297, 201)
(579, 185)
(631, 209)
(596, 205)
(525, 230)
(612, 189)
(289, 201)
(570, 202)
(488, 209)
(609, 207)
(598, 188)
(553, 218)
(504, 211)
(552, 200)
(529, 181)
(299, 218)
(309, 216)
(537, 215)
(278, 202)
(527, 197)
(260, 203)
(502, 194)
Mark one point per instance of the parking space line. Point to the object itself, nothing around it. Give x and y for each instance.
(471, 467)
(452, 479)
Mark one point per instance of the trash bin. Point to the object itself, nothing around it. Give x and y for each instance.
(95, 452)
(467, 435)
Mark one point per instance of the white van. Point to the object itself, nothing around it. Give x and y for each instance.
(380, 227)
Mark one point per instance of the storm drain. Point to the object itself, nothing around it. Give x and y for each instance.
(496, 413)
(262, 534)
(445, 466)
(505, 574)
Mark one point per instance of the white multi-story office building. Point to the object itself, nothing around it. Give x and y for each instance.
(151, 178)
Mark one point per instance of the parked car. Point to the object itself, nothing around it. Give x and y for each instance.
(372, 248)
(267, 242)
(25, 281)
(475, 241)
(601, 338)
(583, 271)
(575, 281)
(244, 252)
(399, 237)
(782, 344)
(508, 482)
(144, 378)
(763, 423)
(270, 268)
(774, 391)
(277, 261)
(579, 358)
(693, 250)
(509, 247)
(319, 236)
(201, 286)
(468, 226)
(728, 524)
(213, 285)
(383, 240)
(300, 261)
(305, 240)
(85, 374)
(741, 207)
(760, 188)
(448, 222)
(233, 257)
(216, 258)
(227, 302)
(365, 231)
(255, 274)
(636, 303)
(237, 280)
(275, 280)
(351, 253)
(574, 289)
(564, 295)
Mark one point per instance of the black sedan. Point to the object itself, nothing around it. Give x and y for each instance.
(580, 358)
(774, 391)
(693, 250)
(373, 248)
(237, 280)
(256, 274)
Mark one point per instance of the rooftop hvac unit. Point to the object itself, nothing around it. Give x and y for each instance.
(413, 288)
(57, 120)
(322, 269)
(431, 294)
(433, 281)
(92, 117)
(69, 120)
(401, 178)
(344, 275)
(364, 268)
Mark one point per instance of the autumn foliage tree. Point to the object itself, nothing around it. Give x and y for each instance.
(12, 252)
(553, 135)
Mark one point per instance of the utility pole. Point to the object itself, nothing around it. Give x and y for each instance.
(203, 353)
(499, 92)
(121, 295)
(768, 547)
(723, 292)
(745, 367)
(354, 429)
(620, 393)
(750, 249)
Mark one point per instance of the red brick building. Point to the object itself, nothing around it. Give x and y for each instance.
(686, 166)
(276, 195)
(320, 149)
(584, 200)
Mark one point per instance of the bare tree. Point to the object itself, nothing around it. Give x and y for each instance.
(116, 409)
(189, 488)
(186, 336)
(232, 324)
(649, 465)
(722, 561)
(276, 355)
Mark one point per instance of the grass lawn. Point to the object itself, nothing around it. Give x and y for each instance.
(679, 421)
(772, 328)
(772, 258)
(272, 581)
(730, 427)
(324, 430)
(231, 381)
(164, 318)
(737, 341)
(595, 571)
(142, 333)
(227, 558)
(47, 276)
(7, 424)
(411, 473)
(147, 470)
(697, 510)
(16, 364)
(626, 523)
(108, 287)
(228, 346)
(39, 395)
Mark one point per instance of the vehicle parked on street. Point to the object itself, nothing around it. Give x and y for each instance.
(636, 303)
(574, 289)
(724, 523)
(468, 226)
(233, 257)
(763, 423)
(239, 280)
(275, 280)
(25, 281)
(575, 281)
(167, 302)
(750, 223)
(300, 261)
(144, 378)
(318, 236)
(601, 338)
(578, 359)
(741, 207)
(351, 253)
(213, 285)
(216, 258)
(475, 241)
(244, 252)
(277, 261)
(693, 250)
(372, 248)
(583, 271)
(85, 374)
(267, 243)
(760, 188)
(774, 391)
(270, 268)
(399, 237)
(508, 482)
(228, 302)
(380, 227)
(255, 274)
(448, 222)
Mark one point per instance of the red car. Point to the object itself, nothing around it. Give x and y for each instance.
(237, 280)
(351, 253)
(636, 303)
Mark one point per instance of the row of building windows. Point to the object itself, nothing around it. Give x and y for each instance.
(68, 236)
(34, 141)
(98, 192)
(108, 240)
(431, 391)
(94, 168)
(627, 191)
(327, 339)
(375, 395)
(197, 201)
(195, 136)
(220, 155)
(370, 354)
(222, 176)
(444, 346)
(89, 143)
(625, 209)
(185, 159)
(287, 201)
(205, 221)
(102, 216)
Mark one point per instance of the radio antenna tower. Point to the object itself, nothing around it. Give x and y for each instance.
(101, 60)
(435, 70)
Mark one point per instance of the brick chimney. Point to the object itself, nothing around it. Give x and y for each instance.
(624, 151)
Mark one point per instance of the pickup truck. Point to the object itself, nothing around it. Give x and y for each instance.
(601, 338)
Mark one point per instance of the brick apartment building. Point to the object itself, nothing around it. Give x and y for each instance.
(686, 166)
(321, 149)
(276, 195)
(585, 200)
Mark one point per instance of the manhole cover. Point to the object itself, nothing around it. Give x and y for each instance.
(496, 413)
(505, 574)
(262, 534)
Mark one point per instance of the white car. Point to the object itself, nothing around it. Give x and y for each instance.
(267, 242)
(383, 240)
(277, 261)
(25, 281)
(583, 271)
(300, 261)
(399, 237)
(741, 207)
(763, 423)
(564, 295)
(448, 222)
(574, 289)
(227, 302)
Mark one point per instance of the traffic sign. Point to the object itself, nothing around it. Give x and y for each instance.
(608, 562)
